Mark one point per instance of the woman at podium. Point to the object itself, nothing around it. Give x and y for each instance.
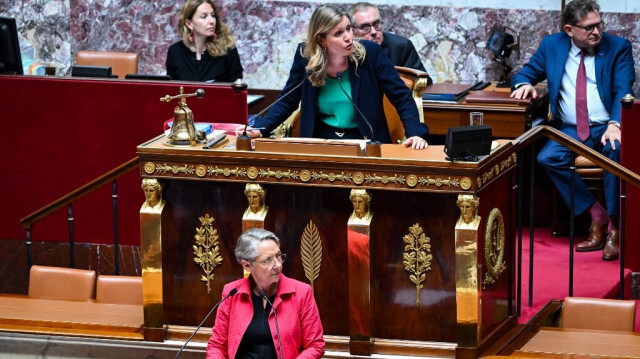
(339, 84)
(270, 316)
(207, 51)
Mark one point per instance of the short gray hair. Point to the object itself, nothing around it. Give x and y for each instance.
(247, 247)
(577, 9)
(357, 7)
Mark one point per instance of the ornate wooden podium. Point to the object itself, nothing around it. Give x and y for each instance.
(431, 273)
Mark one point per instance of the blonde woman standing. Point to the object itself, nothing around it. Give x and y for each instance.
(333, 60)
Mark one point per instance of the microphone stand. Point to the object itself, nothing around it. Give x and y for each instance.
(275, 314)
(243, 142)
(232, 292)
(373, 148)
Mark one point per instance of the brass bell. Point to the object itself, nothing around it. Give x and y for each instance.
(183, 130)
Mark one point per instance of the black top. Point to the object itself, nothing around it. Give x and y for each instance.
(401, 52)
(182, 65)
(257, 342)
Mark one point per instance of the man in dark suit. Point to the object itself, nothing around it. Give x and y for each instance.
(587, 72)
(366, 24)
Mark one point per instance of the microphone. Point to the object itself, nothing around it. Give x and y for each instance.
(339, 76)
(232, 292)
(373, 148)
(243, 141)
(275, 314)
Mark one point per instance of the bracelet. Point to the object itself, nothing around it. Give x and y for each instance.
(615, 123)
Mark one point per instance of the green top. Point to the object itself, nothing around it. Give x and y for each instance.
(334, 108)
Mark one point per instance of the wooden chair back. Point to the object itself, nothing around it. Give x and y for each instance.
(122, 63)
(61, 283)
(599, 314)
(119, 289)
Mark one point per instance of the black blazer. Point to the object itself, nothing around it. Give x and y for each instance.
(182, 65)
(374, 77)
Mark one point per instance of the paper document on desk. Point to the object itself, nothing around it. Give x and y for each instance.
(362, 143)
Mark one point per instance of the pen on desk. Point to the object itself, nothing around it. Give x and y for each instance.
(214, 141)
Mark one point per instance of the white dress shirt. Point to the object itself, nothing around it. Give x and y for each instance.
(597, 112)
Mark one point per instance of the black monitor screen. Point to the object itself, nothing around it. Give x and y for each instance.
(499, 42)
(10, 58)
(147, 77)
(91, 71)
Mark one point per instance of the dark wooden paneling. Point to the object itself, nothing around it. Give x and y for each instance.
(395, 314)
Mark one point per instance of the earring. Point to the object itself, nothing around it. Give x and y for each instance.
(324, 49)
(190, 36)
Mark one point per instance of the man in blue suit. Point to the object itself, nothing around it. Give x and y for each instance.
(587, 72)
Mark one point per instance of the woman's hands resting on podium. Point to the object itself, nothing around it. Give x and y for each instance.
(416, 142)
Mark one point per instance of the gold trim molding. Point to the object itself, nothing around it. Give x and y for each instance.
(311, 252)
(417, 257)
(206, 249)
(494, 248)
(498, 168)
(306, 175)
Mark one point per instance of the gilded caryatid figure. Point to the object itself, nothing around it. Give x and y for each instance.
(152, 193)
(256, 199)
(468, 205)
(361, 200)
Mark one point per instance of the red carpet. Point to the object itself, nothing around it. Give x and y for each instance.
(592, 276)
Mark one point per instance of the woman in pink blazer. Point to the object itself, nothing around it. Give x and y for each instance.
(245, 325)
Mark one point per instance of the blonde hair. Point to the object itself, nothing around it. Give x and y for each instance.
(325, 18)
(217, 45)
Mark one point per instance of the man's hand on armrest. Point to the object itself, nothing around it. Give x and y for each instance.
(523, 92)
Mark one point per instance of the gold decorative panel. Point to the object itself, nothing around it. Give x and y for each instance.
(494, 247)
(311, 252)
(206, 249)
(417, 257)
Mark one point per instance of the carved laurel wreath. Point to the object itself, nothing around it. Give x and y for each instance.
(417, 257)
(311, 252)
(494, 247)
(206, 249)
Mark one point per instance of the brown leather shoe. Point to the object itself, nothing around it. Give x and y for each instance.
(595, 239)
(611, 247)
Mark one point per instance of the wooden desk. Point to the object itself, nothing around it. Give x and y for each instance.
(583, 342)
(23, 314)
(506, 120)
(455, 311)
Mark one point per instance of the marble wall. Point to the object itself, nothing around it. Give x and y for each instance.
(450, 40)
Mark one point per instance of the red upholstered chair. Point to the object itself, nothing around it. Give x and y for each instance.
(122, 63)
(118, 289)
(61, 283)
(599, 314)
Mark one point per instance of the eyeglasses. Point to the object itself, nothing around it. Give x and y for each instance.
(272, 260)
(366, 28)
(589, 28)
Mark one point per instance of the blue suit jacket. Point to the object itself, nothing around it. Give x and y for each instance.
(374, 77)
(615, 72)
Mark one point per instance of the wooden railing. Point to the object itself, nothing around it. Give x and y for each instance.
(526, 143)
(68, 200)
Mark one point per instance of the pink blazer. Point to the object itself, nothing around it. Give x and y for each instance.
(298, 320)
